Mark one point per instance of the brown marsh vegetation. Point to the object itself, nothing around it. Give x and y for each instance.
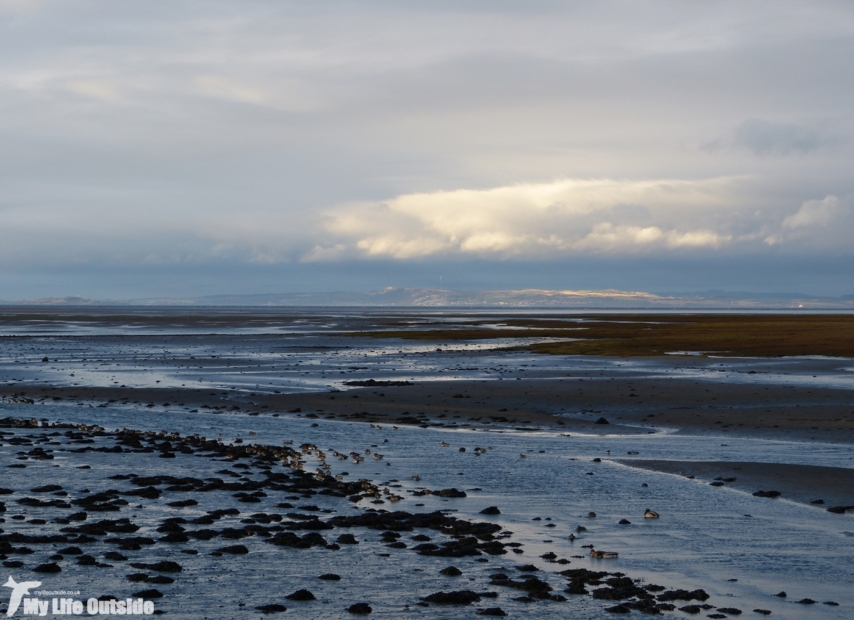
(757, 335)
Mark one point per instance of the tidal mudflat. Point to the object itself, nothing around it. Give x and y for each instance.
(219, 462)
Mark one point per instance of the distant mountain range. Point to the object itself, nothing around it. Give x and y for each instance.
(524, 298)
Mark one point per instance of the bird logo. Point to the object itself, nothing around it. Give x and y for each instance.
(18, 592)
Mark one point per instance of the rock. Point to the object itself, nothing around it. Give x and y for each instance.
(175, 537)
(691, 609)
(146, 492)
(781, 594)
(770, 494)
(51, 567)
(48, 488)
(360, 608)
(184, 503)
(603, 421)
(491, 510)
(271, 609)
(730, 611)
(492, 611)
(683, 595)
(148, 594)
(451, 571)
(806, 601)
(347, 539)
(234, 550)
(530, 584)
(764, 612)
(301, 595)
(625, 522)
(618, 609)
(160, 567)
(160, 579)
(458, 597)
(330, 577)
(450, 493)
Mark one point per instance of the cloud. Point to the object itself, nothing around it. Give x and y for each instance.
(815, 213)
(259, 133)
(228, 89)
(565, 216)
(95, 90)
(770, 138)
(149, 236)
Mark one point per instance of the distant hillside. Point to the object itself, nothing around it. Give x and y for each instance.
(525, 298)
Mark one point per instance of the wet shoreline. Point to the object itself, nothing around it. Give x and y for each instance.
(545, 439)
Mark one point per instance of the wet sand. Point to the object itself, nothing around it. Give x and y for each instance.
(574, 403)
(832, 486)
(238, 379)
(571, 405)
(753, 397)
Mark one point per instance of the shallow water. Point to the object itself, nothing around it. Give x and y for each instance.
(702, 540)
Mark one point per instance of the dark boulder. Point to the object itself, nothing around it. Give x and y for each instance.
(450, 493)
(148, 594)
(234, 550)
(618, 609)
(457, 597)
(161, 567)
(360, 609)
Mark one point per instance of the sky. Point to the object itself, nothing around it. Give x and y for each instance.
(157, 148)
